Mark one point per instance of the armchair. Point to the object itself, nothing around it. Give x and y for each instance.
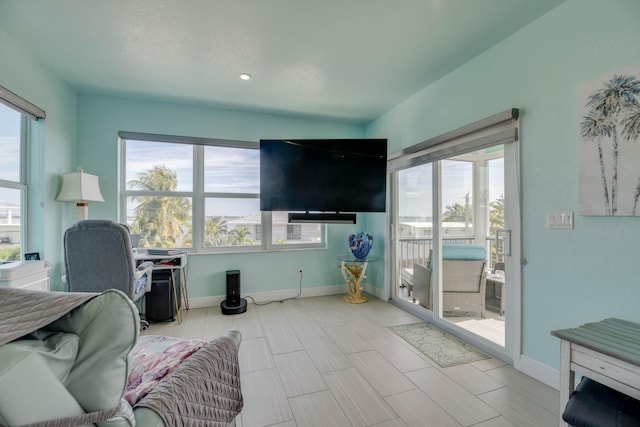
(463, 280)
(70, 362)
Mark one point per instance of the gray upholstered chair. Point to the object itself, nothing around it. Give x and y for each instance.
(463, 280)
(98, 256)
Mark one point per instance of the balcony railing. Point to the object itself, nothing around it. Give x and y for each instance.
(417, 250)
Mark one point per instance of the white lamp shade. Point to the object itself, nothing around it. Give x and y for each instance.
(80, 187)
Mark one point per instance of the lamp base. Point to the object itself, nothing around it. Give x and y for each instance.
(82, 211)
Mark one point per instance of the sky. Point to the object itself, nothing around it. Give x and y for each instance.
(227, 170)
(415, 197)
(9, 151)
(232, 170)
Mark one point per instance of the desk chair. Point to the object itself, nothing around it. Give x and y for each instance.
(98, 256)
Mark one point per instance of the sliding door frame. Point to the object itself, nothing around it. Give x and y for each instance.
(499, 129)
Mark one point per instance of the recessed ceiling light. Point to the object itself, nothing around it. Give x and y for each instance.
(245, 76)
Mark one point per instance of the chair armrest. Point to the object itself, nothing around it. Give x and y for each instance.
(103, 354)
(30, 390)
(142, 277)
(145, 265)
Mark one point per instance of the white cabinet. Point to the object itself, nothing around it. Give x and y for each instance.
(30, 275)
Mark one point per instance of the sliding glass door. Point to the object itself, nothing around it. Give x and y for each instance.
(472, 200)
(414, 227)
(455, 241)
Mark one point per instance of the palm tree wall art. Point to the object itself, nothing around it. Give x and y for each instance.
(609, 153)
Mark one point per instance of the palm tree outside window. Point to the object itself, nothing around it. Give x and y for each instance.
(200, 195)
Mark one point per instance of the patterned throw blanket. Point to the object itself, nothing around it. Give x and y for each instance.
(153, 358)
(203, 390)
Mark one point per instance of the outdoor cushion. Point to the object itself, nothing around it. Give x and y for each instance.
(461, 252)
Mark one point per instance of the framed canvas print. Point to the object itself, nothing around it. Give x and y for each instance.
(33, 256)
(609, 144)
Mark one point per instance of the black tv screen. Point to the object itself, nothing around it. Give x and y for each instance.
(323, 175)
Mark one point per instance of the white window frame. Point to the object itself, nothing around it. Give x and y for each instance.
(502, 128)
(198, 195)
(21, 185)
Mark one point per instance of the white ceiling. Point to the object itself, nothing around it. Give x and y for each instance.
(344, 59)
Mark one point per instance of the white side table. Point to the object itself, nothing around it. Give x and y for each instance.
(31, 275)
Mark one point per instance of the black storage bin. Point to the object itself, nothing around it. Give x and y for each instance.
(160, 303)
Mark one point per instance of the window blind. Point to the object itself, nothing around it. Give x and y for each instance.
(501, 128)
(12, 100)
(191, 140)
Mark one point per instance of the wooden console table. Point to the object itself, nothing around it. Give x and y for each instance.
(607, 352)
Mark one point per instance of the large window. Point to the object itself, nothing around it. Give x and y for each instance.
(203, 195)
(12, 182)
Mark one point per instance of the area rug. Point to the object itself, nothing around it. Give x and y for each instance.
(438, 345)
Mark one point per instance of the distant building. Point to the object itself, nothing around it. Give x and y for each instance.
(9, 223)
(281, 229)
(424, 230)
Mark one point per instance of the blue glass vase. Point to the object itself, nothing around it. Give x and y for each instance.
(360, 244)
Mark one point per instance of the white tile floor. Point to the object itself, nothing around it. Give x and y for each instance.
(321, 362)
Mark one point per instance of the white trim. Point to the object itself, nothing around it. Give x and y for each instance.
(502, 128)
(379, 293)
(199, 196)
(513, 277)
(539, 371)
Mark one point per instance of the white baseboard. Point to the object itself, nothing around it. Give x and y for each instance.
(379, 293)
(202, 302)
(539, 371)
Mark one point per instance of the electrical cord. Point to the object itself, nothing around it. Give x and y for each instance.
(282, 300)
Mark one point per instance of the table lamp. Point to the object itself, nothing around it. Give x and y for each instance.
(80, 187)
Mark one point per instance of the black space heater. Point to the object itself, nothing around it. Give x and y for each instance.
(233, 304)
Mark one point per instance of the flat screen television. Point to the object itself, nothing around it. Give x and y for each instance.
(323, 175)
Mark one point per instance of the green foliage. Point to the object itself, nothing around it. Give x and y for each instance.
(165, 221)
(458, 212)
(496, 222)
(215, 231)
(162, 221)
(496, 215)
(217, 234)
(10, 253)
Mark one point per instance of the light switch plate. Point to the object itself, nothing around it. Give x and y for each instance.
(560, 220)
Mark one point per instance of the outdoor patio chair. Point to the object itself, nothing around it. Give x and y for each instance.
(463, 280)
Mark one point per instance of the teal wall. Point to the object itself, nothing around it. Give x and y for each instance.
(52, 150)
(101, 117)
(572, 277)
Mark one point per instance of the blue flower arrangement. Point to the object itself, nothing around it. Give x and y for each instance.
(360, 244)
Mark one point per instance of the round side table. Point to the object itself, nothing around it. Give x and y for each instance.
(354, 271)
